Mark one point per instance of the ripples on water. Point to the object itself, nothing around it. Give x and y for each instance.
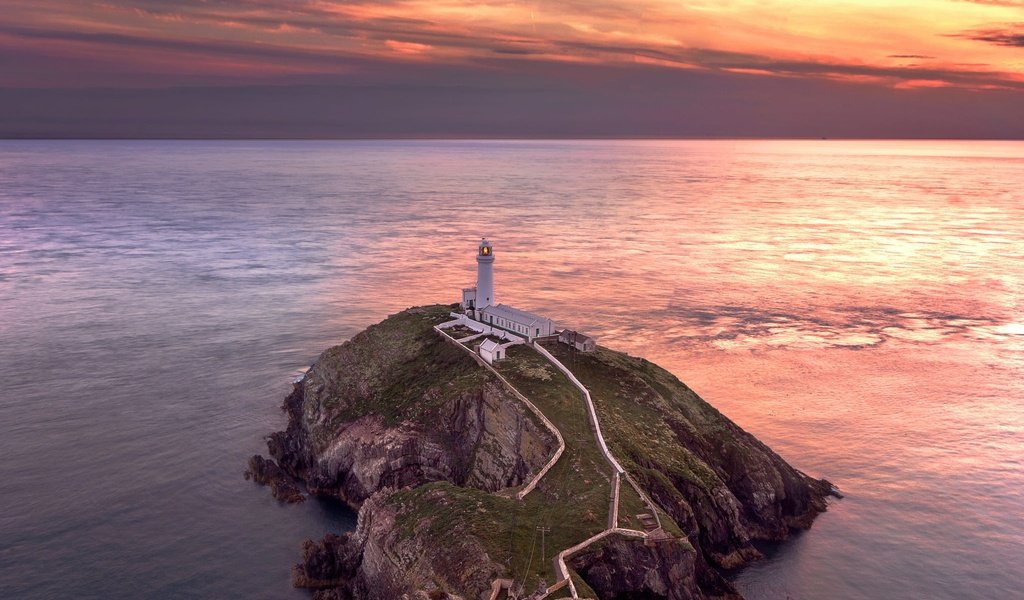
(857, 305)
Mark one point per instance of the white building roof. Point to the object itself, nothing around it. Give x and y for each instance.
(489, 345)
(514, 314)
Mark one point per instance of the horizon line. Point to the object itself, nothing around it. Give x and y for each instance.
(483, 138)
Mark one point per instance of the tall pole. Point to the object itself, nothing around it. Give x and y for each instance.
(511, 537)
(543, 530)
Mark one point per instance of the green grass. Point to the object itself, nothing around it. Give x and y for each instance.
(411, 371)
(571, 500)
(399, 369)
(636, 401)
(630, 505)
(459, 331)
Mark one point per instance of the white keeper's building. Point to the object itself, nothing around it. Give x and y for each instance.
(479, 303)
(491, 351)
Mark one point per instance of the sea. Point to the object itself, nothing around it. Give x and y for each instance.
(857, 305)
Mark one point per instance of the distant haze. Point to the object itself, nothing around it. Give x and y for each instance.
(456, 68)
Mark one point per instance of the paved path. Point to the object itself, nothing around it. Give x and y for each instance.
(536, 411)
(497, 585)
(597, 432)
(590, 406)
(613, 510)
(561, 570)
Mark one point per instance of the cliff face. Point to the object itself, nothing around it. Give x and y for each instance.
(719, 483)
(430, 446)
(385, 559)
(628, 568)
(397, 406)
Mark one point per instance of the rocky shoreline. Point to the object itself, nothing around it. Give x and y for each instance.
(283, 486)
(430, 448)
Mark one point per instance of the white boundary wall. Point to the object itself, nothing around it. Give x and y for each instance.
(562, 570)
(590, 407)
(597, 432)
(484, 328)
(536, 411)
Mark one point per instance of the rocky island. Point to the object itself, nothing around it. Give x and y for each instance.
(481, 481)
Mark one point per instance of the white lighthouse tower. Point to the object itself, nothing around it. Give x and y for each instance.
(482, 314)
(484, 276)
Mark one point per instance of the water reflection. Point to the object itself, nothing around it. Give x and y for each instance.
(857, 305)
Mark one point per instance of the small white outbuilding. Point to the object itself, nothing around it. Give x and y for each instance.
(491, 351)
(575, 339)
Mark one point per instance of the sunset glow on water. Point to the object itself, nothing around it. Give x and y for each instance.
(856, 305)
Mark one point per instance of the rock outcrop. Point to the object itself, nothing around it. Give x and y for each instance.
(396, 406)
(621, 567)
(480, 438)
(429, 446)
(282, 485)
(383, 560)
(719, 483)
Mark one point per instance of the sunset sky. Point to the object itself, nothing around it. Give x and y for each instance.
(307, 68)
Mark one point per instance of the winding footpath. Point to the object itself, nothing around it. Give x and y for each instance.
(619, 471)
(561, 568)
(613, 515)
(536, 411)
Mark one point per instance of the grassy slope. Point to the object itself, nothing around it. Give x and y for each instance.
(403, 371)
(400, 369)
(635, 400)
(572, 499)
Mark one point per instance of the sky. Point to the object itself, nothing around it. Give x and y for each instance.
(457, 68)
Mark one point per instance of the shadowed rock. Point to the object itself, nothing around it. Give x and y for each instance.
(282, 485)
(407, 428)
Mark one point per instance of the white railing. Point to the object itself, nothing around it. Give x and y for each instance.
(562, 570)
(590, 408)
(597, 431)
(536, 411)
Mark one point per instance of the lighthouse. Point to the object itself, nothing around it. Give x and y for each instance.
(482, 314)
(484, 275)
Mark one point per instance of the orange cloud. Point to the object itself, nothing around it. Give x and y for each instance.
(911, 84)
(407, 47)
(870, 41)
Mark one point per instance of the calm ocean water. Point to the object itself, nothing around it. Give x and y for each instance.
(856, 305)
